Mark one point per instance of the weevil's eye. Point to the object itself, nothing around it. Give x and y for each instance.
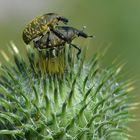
(65, 20)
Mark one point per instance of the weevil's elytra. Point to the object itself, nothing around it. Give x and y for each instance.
(41, 24)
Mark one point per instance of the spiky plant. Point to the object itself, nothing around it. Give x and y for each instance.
(86, 102)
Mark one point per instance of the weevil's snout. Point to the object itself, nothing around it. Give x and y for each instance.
(91, 36)
(82, 34)
(63, 19)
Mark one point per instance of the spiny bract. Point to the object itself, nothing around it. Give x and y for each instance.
(85, 103)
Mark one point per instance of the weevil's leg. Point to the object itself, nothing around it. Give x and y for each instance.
(36, 44)
(48, 39)
(59, 34)
(37, 41)
(53, 52)
(78, 48)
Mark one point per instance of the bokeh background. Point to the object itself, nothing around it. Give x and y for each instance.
(114, 23)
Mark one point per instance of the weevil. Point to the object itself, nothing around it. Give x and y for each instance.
(56, 39)
(40, 25)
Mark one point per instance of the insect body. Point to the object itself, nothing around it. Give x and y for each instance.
(39, 25)
(59, 37)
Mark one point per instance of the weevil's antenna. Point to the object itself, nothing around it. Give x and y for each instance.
(84, 27)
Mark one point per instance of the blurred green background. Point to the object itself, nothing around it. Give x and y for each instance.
(115, 23)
